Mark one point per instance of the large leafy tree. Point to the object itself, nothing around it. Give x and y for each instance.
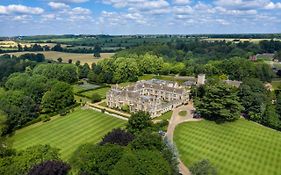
(58, 97)
(50, 167)
(138, 122)
(150, 64)
(126, 69)
(220, 103)
(141, 162)
(253, 97)
(23, 161)
(95, 159)
(19, 108)
(117, 136)
(63, 72)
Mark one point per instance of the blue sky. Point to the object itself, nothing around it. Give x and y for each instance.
(35, 17)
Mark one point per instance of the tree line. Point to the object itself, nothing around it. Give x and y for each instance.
(221, 102)
(37, 90)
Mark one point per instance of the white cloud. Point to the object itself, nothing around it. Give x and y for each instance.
(242, 4)
(13, 8)
(114, 18)
(80, 11)
(181, 2)
(58, 5)
(271, 6)
(138, 4)
(70, 1)
(22, 18)
(48, 17)
(183, 10)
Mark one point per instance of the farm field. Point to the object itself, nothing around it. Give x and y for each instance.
(100, 91)
(243, 40)
(68, 132)
(83, 58)
(241, 147)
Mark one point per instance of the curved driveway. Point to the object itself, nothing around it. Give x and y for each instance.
(174, 121)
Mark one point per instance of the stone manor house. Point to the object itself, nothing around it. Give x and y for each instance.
(153, 96)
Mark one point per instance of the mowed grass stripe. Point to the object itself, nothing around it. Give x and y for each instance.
(68, 132)
(88, 138)
(241, 147)
(51, 127)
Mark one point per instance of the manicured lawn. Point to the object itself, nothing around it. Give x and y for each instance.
(182, 113)
(276, 84)
(101, 91)
(165, 116)
(68, 132)
(240, 148)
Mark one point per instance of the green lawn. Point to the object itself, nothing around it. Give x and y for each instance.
(101, 91)
(68, 132)
(276, 84)
(165, 116)
(240, 148)
(183, 113)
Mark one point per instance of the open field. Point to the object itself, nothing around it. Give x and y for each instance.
(13, 44)
(68, 132)
(240, 148)
(83, 58)
(242, 40)
(100, 91)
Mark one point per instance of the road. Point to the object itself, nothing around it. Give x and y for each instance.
(175, 120)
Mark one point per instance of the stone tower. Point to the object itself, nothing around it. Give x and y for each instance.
(201, 79)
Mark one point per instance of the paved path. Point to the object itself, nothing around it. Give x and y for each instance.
(175, 120)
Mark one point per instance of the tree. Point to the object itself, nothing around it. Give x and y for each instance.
(84, 71)
(203, 167)
(20, 48)
(141, 162)
(220, 103)
(277, 55)
(278, 105)
(59, 59)
(96, 159)
(97, 51)
(147, 140)
(117, 136)
(96, 98)
(63, 72)
(138, 122)
(126, 69)
(50, 167)
(23, 161)
(77, 63)
(19, 109)
(58, 97)
(57, 48)
(271, 118)
(253, 97)
(150, 64)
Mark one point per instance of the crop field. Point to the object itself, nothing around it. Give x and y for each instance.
(240, 148)
(233, 39)
(68, 132)
(101, 91)
(83, 58)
